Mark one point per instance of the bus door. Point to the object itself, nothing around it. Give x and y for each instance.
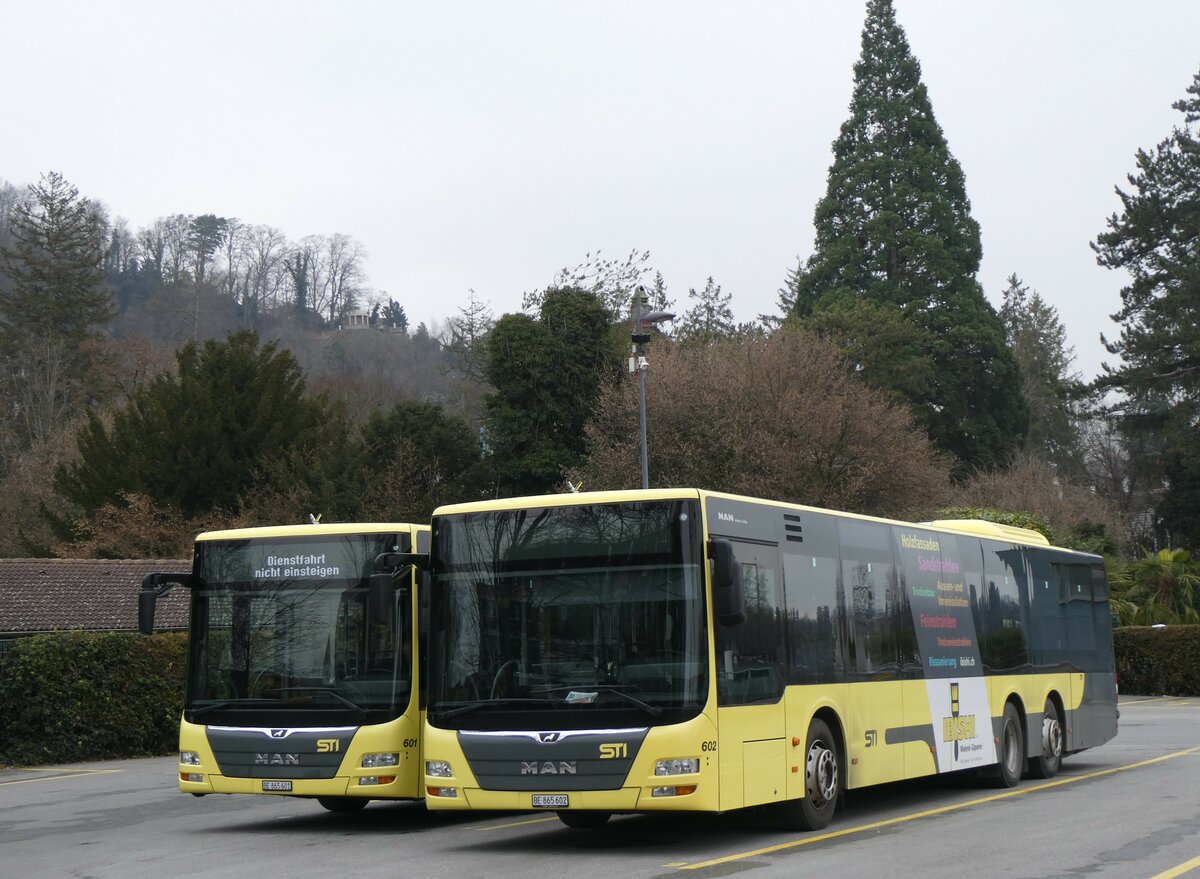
(750, 677)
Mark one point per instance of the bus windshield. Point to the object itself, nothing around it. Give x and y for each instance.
(568, 610)
(286, 623)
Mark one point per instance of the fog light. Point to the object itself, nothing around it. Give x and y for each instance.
(191, 776)
(377, 761)
(679, 791)
(191, 758)
(376, 779)
(438, 769)
(677, 767)
(442, 791)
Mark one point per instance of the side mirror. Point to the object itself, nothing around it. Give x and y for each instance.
(380, 590)
(154, 585)
(147, 599)
(729, 605)
(423, 602)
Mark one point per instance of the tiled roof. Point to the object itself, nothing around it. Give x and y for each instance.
(45, 595)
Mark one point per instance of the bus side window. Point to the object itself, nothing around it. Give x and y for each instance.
(751, 656)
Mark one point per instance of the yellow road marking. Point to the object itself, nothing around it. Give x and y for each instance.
(941, 810)
(1186, 867)
(76, 773)
(1142, 701)
(516, 824)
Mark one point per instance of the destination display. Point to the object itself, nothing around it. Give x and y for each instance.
(271, 561)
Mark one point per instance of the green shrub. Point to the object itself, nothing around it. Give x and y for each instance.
(89, 696)
(1156, 662)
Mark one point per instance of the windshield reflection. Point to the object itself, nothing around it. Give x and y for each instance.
(568, 609)
(310, 640)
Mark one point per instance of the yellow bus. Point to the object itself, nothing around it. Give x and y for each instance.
(303, 663)
(661, 650)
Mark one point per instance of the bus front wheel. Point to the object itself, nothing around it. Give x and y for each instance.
(822, 782)
(1047, 764)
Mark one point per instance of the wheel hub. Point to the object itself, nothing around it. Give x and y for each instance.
(821, 773)
(1052, 737)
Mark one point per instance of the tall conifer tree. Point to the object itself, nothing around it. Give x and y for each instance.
(1156, 238)
(1039, 342)
(54, 265)
(895, 228)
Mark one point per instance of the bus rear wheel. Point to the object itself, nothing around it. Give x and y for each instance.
(1010, 753)
(584, 820)
(343, 804)
(1047, 764)
(822, 782)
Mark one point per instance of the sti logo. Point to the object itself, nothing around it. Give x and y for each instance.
(326, 746)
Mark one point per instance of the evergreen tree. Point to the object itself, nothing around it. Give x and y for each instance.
(895, 227)
(547, 373)
(1039, 343)
(710, 318)
(1156, 238)
(201, 439)
(657, 298)
(54, 264)
(53, 298)
(204, 236)
(441, 461)
(393, 317)
(886, 350)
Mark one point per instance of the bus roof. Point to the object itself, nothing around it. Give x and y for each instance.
(569, 499)
(973, 527)
(268, 531)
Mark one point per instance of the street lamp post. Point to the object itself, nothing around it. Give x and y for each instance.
(643, 323)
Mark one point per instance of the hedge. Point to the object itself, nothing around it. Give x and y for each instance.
(1158, 662)
(81, 696)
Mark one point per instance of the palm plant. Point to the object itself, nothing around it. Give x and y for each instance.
(1160, 587)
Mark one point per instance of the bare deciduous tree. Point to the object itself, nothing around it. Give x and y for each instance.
(776, 417)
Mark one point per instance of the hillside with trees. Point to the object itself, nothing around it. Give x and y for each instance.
(210, 371)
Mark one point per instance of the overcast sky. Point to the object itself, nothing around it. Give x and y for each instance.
(486, 145)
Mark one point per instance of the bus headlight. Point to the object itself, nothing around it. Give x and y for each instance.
(374, 761)
(191, 758)
(438, 769)
(677, 767)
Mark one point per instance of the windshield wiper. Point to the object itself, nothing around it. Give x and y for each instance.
(230, 703)
(652, 710)
(483, 703)
(329, 691)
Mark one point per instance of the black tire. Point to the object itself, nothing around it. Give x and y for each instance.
(1010, 753)
(584, 820)
(1047, 764)
(343, 804)
(822, 781)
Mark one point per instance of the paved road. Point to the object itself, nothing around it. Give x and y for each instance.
(1128, 809)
